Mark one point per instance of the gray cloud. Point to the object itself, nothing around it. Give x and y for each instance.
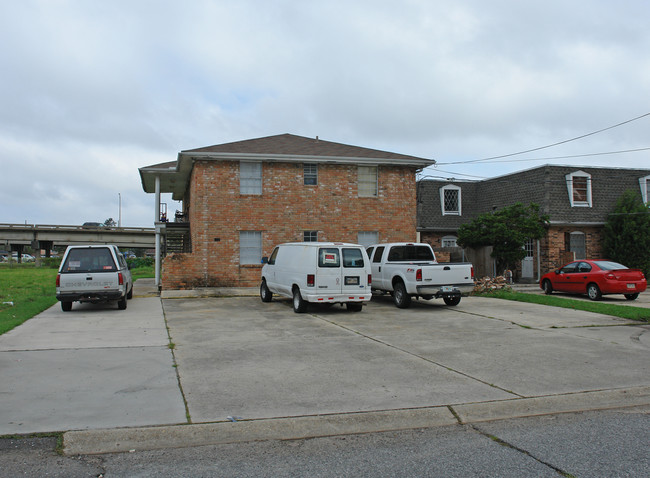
(91, 91)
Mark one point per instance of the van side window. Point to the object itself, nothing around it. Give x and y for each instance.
(329, 257)
(352, 258)
(378, 253)
(273, 256)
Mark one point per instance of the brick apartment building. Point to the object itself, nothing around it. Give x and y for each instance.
(577, 199)
(241, 199)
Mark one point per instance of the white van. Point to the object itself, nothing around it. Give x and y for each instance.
(319, 272)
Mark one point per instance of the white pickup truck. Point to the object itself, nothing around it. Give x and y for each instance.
(93, 273)
(407, 270)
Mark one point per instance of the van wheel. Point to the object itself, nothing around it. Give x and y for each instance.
(454, 300)
(400, 297)
(121, 304)
(66, 306)
(299, 305)
(265, 294)
(354, 306)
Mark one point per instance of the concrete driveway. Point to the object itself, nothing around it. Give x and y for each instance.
(241, 369)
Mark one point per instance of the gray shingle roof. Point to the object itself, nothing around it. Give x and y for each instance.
(545, 186)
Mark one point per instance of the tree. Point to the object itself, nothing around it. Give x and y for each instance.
(626, 236)
(507, 231)
(110, 222)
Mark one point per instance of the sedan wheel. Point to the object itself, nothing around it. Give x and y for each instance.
(632, 296)
(594, 292)
(548, 287)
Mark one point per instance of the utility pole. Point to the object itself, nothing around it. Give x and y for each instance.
(119, 217)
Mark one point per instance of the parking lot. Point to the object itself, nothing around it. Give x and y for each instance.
(237, 362)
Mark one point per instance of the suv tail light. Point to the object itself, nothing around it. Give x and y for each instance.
(58, 280)
(311, 280)
(120, 278)
(418, 275)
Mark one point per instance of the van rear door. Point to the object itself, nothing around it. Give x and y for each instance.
(328, 278)
(353, 274)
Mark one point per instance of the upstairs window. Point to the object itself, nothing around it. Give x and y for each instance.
(450, 200)
(579, 189)
(645, 189)
(367, 181)
(310, 174)
(310, 236)
(250, 178)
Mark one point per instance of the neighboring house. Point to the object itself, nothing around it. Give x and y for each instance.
(241, 199)
(577, 200)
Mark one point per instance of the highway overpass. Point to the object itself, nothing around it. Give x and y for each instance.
(45, 236)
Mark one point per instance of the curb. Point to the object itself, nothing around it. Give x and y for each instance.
(121, 440)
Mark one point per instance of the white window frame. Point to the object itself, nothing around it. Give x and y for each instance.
(445, 212)
(644, 183)
(451, 240)
(368, 238)
(310, 172)
(368, 181)
(569, 184)
(250, 177)
(448, 239)
(250, 247)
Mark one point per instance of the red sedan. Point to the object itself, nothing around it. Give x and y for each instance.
(595, 278)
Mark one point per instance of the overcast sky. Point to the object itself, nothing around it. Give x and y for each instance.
(91, 90)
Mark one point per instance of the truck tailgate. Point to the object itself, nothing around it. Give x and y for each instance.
(447, 274)
(89, 281)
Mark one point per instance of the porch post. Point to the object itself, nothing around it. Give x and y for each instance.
(157, 220)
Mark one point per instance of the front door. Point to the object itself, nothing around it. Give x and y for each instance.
(527, 263)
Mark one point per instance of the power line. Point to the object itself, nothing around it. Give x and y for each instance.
(551, 145)
(549, 158)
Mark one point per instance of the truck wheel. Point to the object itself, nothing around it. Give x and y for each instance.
(130, 294)
(593, 292)
(299, 305)
(455, 300)
(66, 306)
(400, 297)
(265, 294)
(354, 306)
(121, 304)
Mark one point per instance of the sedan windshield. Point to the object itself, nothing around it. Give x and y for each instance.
(609, 266)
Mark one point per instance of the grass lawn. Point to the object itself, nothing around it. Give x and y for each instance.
(622, 311)
(32, 290)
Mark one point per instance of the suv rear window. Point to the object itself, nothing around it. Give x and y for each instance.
(96, 259)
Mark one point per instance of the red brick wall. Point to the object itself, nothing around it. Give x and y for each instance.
(554, 248)
(282, 212)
